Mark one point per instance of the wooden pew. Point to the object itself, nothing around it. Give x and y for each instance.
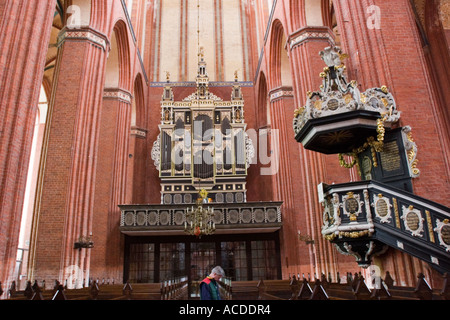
(423, 290)
(145, 291)
(245, 290)
(274, 290)
(292, 289)
(305, 291)
(318, 292)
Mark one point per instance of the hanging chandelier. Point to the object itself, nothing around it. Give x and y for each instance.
(199, 220)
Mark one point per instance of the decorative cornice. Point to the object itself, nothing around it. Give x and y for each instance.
(194, 84)
(307, 34)
(119, 94)
(139, 132)
(281, 93)
(96, 38)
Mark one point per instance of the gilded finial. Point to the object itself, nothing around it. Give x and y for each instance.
(201, 52)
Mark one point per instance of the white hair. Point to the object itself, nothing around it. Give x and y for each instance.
(218, 270)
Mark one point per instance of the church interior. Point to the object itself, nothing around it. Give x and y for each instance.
(144, 142)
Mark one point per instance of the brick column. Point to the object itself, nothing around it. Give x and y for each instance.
(313, 168)
(111, 180)
(24, 37)
(286, 177)
(66, 184)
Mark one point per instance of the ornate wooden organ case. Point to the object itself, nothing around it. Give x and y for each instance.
(202, 145)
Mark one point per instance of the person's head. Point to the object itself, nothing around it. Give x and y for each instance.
(217, 273)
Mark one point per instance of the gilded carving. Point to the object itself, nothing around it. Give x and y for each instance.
(411, 150)
(382, 207)
(352, 205)
(443, 231)
(397, 217)
(336, 95)
(412, 220)
(430, 226)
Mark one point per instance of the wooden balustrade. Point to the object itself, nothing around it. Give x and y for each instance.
(176, 289)
(225, 288)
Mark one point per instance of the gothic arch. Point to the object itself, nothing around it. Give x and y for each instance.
(279, 69)
(279, 62)
(263, 115)
(136, 184)
(118, 73)
(138, 115)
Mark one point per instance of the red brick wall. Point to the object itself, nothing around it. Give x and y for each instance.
(66, 197)
(22, 60)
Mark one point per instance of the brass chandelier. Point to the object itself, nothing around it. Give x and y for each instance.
(199, 220)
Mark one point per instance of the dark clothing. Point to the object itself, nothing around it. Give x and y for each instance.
(209, 289)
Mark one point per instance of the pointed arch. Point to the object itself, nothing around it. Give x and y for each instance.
(138, 115)
(279, 68)
(276, 46)
(119, 41)
(263, 114)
